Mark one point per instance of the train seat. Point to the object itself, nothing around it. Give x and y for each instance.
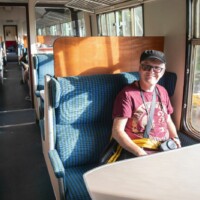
(42, 64)
(79, 122)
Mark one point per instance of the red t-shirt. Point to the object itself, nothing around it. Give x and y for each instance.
(129, 104)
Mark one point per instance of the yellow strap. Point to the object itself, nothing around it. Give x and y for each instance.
(147, 143)
(114, 157)
(143, 142)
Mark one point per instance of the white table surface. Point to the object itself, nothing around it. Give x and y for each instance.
(172, 175)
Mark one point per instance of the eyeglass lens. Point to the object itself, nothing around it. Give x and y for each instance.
(149, 67)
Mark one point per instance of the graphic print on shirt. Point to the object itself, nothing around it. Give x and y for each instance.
(159, 129)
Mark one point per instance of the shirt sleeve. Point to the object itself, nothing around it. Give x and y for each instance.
(122, 105)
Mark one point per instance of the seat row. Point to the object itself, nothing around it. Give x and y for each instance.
(78, 122)
(42, 64)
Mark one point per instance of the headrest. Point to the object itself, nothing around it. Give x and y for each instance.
(42, 60)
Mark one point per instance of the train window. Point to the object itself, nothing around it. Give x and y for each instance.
(47, 30)
(193, 100)
(125, 22)
(138, 16)
(81, 24)
(102, 25)
(53, 30)
(67, 29)
(111, 22)
(43, 31)
(196, 90)
(53, 21)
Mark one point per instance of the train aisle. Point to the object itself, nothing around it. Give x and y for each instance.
(23, 172)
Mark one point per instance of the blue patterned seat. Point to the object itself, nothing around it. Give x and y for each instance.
(82, 122)
(43, 64)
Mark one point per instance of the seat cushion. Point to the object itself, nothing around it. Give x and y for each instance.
(186, 140)
(76, 189)
(81, 144)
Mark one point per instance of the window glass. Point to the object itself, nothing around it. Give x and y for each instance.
(99, 25)
(119, 23)
(103, 25)
(111, 24)
(53, 30)
(49, 20)
(39, 31)
(48, 31)
(67, 29)
(44, 31)
(138, 16)
(81, 24)
(193, 95)
(195, 111)
(125, 22)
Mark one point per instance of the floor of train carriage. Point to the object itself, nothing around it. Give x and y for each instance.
(23, 172)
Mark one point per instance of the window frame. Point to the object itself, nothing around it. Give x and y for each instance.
(191, 43)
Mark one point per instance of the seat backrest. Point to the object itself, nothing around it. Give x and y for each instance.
(83, 113)
(43, 64)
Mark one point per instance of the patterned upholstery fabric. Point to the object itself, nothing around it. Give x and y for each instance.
(81, 144)
(41, 124)
(85, 97)
(187, 140)
(44, 64)
(169, 82)
(75, 185)
(83, 121)
(41, 109)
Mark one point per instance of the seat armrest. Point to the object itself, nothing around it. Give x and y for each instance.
(56, 163)
(42, 94)
(37, 93)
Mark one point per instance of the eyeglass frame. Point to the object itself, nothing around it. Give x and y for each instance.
(149, 67)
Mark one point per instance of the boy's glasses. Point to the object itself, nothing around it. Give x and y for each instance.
(156, 69)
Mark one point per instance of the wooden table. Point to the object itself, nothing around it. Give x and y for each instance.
(172, 175)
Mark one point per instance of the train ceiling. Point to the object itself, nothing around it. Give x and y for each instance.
(93, 6)
(48, 16)
(45, 16)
